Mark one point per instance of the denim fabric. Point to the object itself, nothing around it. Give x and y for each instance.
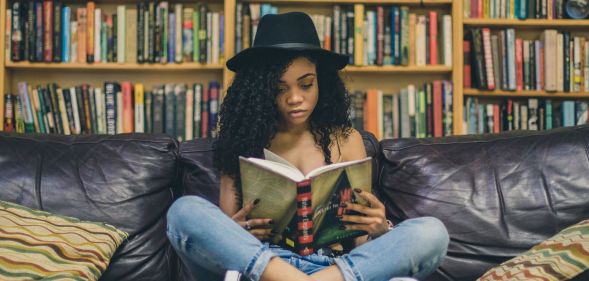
(203, 236)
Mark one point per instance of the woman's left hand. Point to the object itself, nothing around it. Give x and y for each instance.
(373, 221)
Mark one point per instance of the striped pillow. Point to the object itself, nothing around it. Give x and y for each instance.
(561, 257)
(36, 245)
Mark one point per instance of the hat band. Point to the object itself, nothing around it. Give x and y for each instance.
(291, 46)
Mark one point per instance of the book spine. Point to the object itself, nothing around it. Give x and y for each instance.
(140, 31)
(47, 31)
(109, 91)
(66, 39)
(202, 34)
(139, 108)
(39, 35)
(57, 35)
(304, 218)
(467, 71)
(8, 113)
(198, 91)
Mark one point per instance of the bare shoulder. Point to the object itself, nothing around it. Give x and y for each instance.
(352, 145)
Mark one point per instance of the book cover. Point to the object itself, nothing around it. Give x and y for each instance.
(275, 182)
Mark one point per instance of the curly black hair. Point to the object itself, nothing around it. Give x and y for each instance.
(248, 117)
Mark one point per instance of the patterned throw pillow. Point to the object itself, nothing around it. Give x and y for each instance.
(36, 245)
(561, 257)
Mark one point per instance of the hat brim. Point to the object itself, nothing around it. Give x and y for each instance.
(252, 54)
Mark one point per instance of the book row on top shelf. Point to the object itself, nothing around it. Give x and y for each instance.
(162, 32)
(147, 32)
(517, 9)
(368, 34)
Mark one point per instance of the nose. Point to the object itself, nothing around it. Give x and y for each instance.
(294, 97)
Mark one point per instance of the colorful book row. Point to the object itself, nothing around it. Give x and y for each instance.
(369, 35)
(179, 110)
(515, 9)
(152, 32)
(412, 112)
(556, 61)
(522, 114)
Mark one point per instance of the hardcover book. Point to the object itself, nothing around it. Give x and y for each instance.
(305, 209)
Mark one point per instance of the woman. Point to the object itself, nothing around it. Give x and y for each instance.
(287, 97)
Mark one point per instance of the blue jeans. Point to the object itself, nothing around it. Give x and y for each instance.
(210, 243)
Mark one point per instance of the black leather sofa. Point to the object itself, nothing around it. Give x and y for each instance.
(497, 194)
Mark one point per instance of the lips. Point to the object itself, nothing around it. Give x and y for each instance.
(297, 113)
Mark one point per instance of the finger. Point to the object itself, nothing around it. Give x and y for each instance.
(360, 219)
(368, 211)
(241, 214)
(261, 232)
(363, 227)
(368, 196)
(261, 223)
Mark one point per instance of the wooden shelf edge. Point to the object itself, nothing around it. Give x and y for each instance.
(112, 66)
(532, 23)
(524, 94)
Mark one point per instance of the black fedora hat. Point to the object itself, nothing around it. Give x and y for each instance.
(292, 31)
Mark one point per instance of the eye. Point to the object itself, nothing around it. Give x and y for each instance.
(282, 89)
(307, 86)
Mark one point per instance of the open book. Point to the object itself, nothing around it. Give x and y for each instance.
(305, 208)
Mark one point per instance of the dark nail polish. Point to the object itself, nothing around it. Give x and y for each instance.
(270, 222)
(342, 227)
(257, 201)
(358, 190)
(344, 204)
(274, 231)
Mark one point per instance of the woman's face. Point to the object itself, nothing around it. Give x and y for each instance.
(298, 93)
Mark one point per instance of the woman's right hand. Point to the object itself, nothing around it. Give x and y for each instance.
(260, 228)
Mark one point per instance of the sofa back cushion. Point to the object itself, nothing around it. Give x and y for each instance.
(498, 195)
(123, 180)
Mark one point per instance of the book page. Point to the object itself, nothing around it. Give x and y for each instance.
(277, 167)
(277, 193)
(334, 166)
(271, 156)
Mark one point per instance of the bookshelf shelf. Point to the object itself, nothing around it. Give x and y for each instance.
(399, 69)
(527, 23)
(380, 2)
(113, 66)
(525, 94)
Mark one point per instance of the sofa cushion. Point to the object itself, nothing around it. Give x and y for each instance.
(40, 245)
(123, 180)
(498, 195)
(561, 257)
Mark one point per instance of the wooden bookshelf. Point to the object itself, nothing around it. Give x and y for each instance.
(388, 78)
(113, 66)
(527, 23)
(525, 94)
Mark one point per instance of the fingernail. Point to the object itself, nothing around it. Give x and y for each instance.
(270, 222)
(344, 204)
(256, 201)
(358, 190)
(274, 231)
(342, 227)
